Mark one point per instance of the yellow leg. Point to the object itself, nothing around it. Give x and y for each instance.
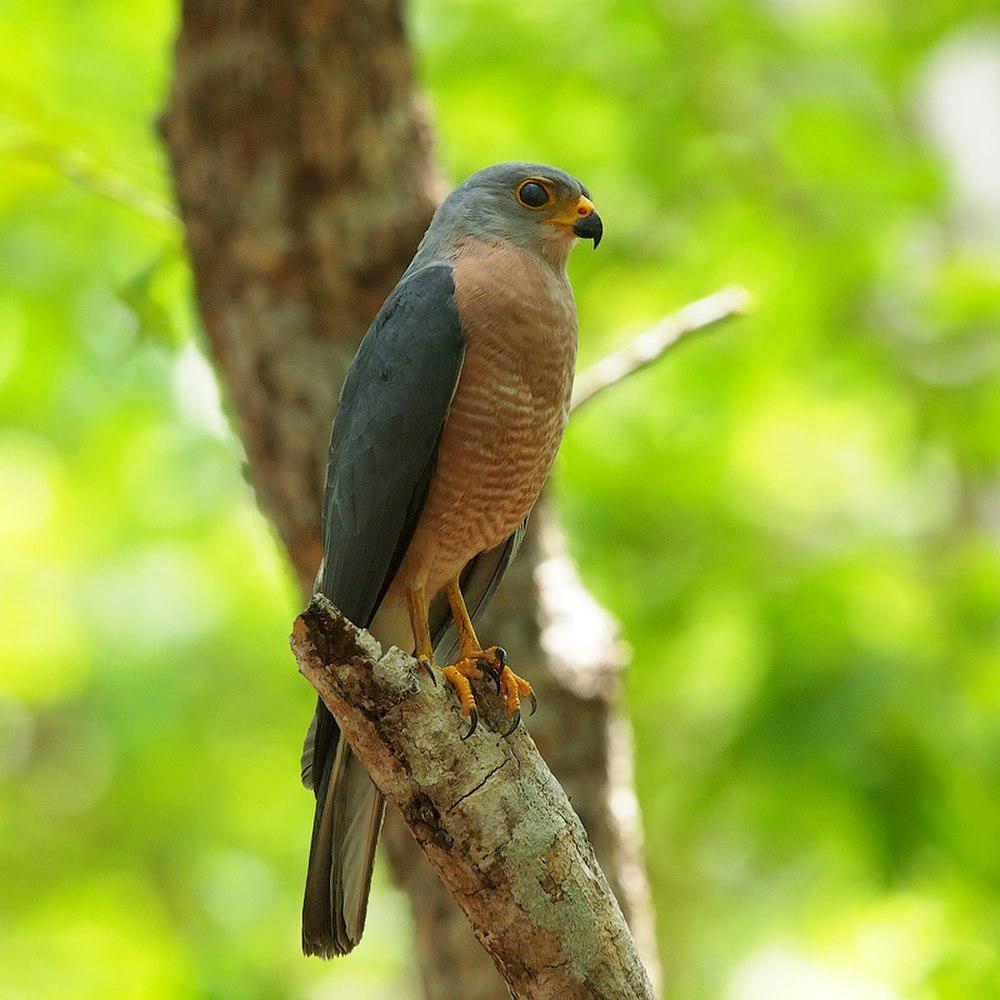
(493, 659)
(416, 602)
(472, 660)
(468, 644)
(457, 674)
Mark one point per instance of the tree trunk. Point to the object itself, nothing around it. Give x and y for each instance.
(304, 176)
(303, 173)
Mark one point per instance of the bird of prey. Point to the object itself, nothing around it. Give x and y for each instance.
(448, 422)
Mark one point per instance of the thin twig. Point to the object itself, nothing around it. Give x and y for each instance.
(653, 343)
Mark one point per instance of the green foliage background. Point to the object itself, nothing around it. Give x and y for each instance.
(796, 519)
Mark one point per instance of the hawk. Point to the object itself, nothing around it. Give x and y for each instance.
(448, 422)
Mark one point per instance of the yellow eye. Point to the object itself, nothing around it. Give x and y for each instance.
(531, 194)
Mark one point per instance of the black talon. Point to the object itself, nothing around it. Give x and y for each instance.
(430, 670)
(514, 724)
(501, 655)
(534, 702)
(474, 715)
(488, 668)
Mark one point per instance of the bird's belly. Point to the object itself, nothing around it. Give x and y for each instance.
(503, 430)
(494, 459)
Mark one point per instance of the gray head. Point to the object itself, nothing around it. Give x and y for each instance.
(528, 204)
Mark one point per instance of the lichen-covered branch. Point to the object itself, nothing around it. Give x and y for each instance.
(488, 814)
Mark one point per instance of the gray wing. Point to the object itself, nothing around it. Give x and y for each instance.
(383, 450)
(389, 420)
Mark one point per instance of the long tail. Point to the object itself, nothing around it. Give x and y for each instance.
(349, 811)
(349, 808)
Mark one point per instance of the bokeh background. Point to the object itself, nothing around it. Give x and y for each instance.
(796, 518)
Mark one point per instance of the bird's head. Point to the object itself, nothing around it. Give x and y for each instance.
(528, 204)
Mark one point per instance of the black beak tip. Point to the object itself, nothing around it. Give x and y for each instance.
(589, 227)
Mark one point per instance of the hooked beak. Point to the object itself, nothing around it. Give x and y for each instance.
(583, 221)
(589, 227)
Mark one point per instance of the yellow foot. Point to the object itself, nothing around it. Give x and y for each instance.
(512, 689)
(457, 675)
(493, 662)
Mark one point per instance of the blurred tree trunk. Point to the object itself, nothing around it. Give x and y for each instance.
(305, 177)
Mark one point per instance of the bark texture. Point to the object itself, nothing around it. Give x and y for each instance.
(569, 648)
(304, 176)
(494, 823)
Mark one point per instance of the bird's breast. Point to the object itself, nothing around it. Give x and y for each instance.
(509, 410)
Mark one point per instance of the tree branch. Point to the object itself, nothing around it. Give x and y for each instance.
(493, 821)
(653, 343)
